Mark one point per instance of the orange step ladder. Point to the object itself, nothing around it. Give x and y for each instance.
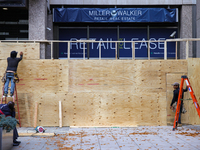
(185, 78)
(15, 98)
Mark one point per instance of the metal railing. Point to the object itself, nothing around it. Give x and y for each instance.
(51, 42)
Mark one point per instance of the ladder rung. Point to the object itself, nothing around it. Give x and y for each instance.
(186, 99)
(10, 96)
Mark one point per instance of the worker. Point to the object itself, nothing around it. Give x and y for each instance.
(9, 110)
(10, 72)
(175, 99)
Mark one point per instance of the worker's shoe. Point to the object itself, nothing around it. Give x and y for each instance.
(5, 95)
(11, 95)
(16, 144)
(179, 125)
(15, 141)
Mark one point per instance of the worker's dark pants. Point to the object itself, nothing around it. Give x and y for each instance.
(179, 118)
(15, 134)
(9, 78)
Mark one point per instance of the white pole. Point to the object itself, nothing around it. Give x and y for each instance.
(68, 49)
(165, 51)
(176, 49)
(148, 50)
(133, 50)
(187, 49)
(51, 50)
(35, 116)
(83, 50)
(99, 50)
(115, 50)
(60, 114)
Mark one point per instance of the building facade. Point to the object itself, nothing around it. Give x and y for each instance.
(36, 20)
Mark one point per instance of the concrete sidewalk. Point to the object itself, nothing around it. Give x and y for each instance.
(133, 138)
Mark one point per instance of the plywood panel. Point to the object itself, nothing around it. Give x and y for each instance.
(68, 108)
(173, 66)
(161, 109)
(148, 65)
(85, 107)
(119, 109)
(148, 104)
(101, 76)
(41, 76)
(193, 75)
(148, 76)
(94, 109)
(48, 109)
(62, 75)
(26, 108)
(30, 50)
(148, 81)
(48, 117)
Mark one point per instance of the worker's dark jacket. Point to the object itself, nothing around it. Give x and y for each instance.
(13, 61)
(5, 110)
(175, 97)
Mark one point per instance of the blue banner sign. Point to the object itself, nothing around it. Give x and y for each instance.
(115, 15)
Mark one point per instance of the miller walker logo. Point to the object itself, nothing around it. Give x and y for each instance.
(115, 15)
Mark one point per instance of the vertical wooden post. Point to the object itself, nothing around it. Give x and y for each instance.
(133, 50)
(51, 50)
(99, 50)
(35, 117)
(68, 50)
(83, 50)
(27, 110)
(176, 49)
(116, 50)
(60, 114)
(165, 51)
(148, 50)
(187, 49)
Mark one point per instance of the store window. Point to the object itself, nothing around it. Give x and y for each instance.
(107, 48)
(124, 49)
(14, 24)
(157, 48)
(76, 49)
(132, 34)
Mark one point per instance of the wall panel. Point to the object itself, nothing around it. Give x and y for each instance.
(193, 74)
(31, 50)
(96, 92)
